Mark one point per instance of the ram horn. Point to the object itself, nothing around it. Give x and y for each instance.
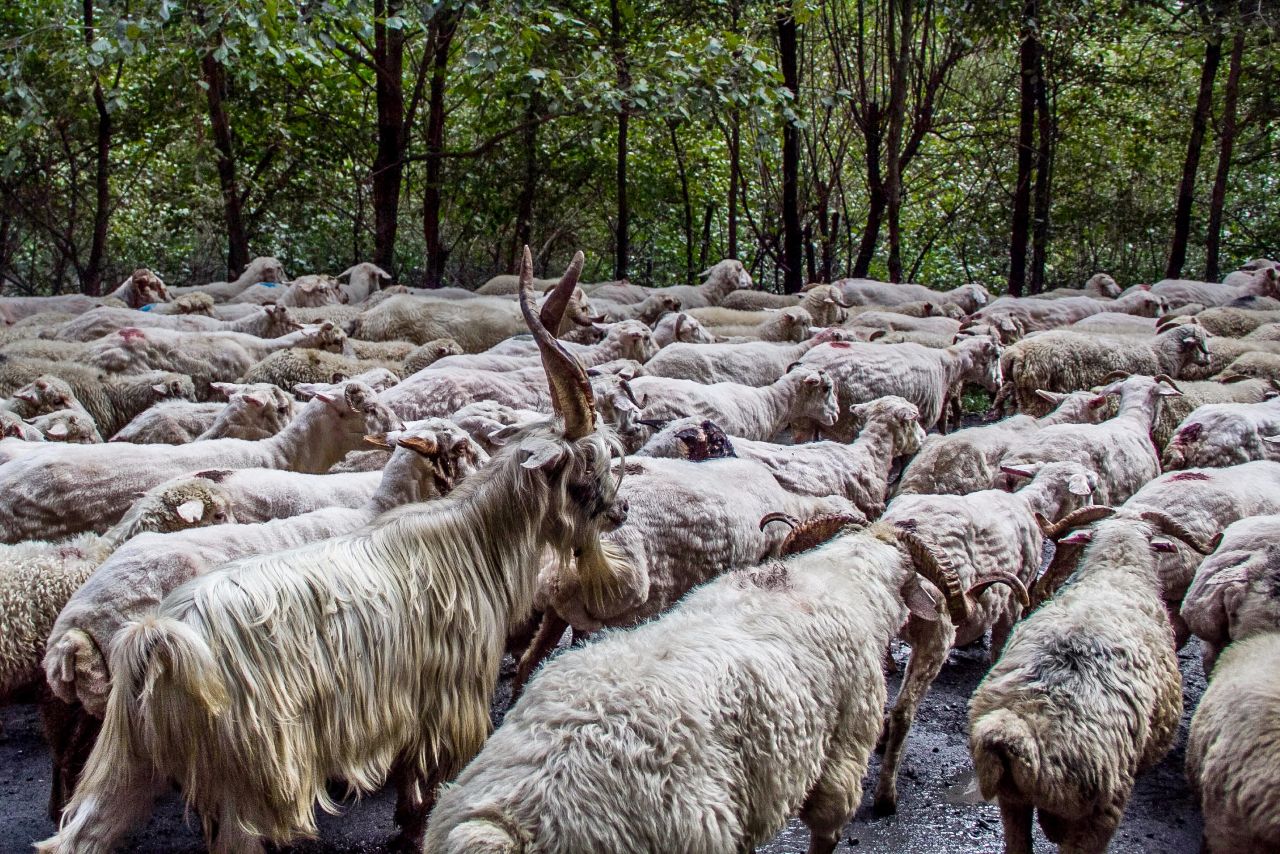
(935, 569)
(993, 578)
(1065, 557)
(1173, 528)
(1075, 519)
(679, 325)
(1115, 375)
(1167, 380)
(570, 388)
(815, 531)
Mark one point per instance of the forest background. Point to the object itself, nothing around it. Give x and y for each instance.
(1024, 145)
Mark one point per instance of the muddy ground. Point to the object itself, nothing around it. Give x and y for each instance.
(935, 813)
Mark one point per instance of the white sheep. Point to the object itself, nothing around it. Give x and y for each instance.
(310, 291)
(41, 395)
(648, 311)
(262, 269)
(1086, 695)
(722, 279)
(1098, 286)
(66, 489)
(756, 363)
(758, 696)
(970, 297)
(1232, 751)
(1039, 314)
(254, 411)
(1225, 434)
(627, 339)
(363, 280)
(1231, 596)
(37, 577)
(266, 322)
(75, 426)
(1263, 282)
(924, 376)
(13, 427)
(681, 327)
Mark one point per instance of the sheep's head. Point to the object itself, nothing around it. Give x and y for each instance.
(177, 505)
(826, 305)
(727, 276)
(788, 324)
(635, 340)
(353, 405)
(196, 302)
(814, 397)
(981, 357)
(1071, 484)
(1102, 285)
(45, 393)
(933, 566)
(1075, 407)
(168, 386)
(1191, 342)
(688, 329)
(315, 290)
(68, 425)
(13, 427)
(1143, 303)
(279, 321)
(147, 288)
(1251, 598)
(326, 336)
(899, 416)
(265, 269)
(429, 458)
(970, 297)
(1145, 391)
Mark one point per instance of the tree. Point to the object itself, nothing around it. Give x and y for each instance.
(1027, 85)
(792, 237)
(1226, 143)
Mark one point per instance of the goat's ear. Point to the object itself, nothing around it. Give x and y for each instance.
(191, 511)
(539, 453)
(1077, 538)
(421, 444)
(380, 440)
(919, 601)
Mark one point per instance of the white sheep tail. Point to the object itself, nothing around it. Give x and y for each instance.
(1005, 752)
(482, 836)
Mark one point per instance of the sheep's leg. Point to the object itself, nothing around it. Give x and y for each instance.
(999, 635)
(930, 642)
(71, 733)
(415, 797)
(834, 797)
(1017, 827)
(1181, 631)
(549, 634)
(1091, 835)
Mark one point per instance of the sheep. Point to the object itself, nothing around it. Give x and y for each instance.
(72, 488)
(1099, 286)
(1086, 696)
(262, 269)
(746, 300)
(141, 288)
(757, 363)
(265, 322)
(1231, 749)
(969, 460)
(429, 354)
(363, 280)
(1204, 501)
(1244, 274)
(424, 705)
(385, 351)
(1040, 314)
(1234, 322)
(647, 311)
(763, 687)
(788, 324)
(681, 327)
(1225, 434)
(75, 426)
(1070, 361)
(722, 279)
(627, 339)
(970, 297)
(891, 320)
(305, 291)
(1260, 365)
(746, 411)
(1225, 353)
(196, 303)
(16, 309)
(112, 400)
(923, 376)
(42, 395)
(974, 535)
(1115, 323)
(1231, 595)
(37, 577)
(255, 411)
(1264, 282)
(287, 368)
(13, 427)
(1119, 450)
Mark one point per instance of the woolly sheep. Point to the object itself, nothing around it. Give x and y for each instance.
(1225, 434)
(970, 297)
(266, 322)
(40, 396)
(763, 686)
(1232, 594)
(429, 354)
(722, 279)
(1036, 314)
(1263, 282)
(72, 488)
(681, 327)
(976, 536)
(262, 269)
(363, 279)
(196, 303)
(1099, 286)
(37, 577)
(627, 339)
(287, 368)
(13, 427)
(15, 309)
(478, 548)
(788, 324)
(647, 311)
(746, 300)
(1232, 751)
(305, 291)
(141, 288)
(74, 426)
(756, 363)
(863, 372)
(1086, 695)
(969, 460)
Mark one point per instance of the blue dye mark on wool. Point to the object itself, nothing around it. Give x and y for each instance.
(148, 307)
(270, 284)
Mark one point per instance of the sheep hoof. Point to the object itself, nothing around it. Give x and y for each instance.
(885, 805)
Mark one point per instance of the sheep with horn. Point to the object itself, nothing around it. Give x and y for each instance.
(366, 656)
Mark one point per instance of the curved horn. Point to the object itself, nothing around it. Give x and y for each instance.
(679, 324)
(570, 389)
(1075, 519)
(1167, 380)
(815, 531)
(777, 516)
(1115, 375)
(1172, 527)
(993, 578)
(1060, 568)
(934, 569)
(626, 389)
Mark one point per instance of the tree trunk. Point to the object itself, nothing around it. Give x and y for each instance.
(876, 200)
(897, 116)
(705, 251)
(388, 163)
(91, 279)
(1044, 177)
(1226, 143)
(440, 35)
(734, 172)
(622, 236)
(687, 203)
(1026, 132)
(214, 76)
(529, 181)
(792, 237)
(1187, 186)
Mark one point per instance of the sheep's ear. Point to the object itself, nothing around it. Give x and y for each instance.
(919, 601)
(1165, 391)
(326, 397)
(191, 511)
(306, 391)
(1050, 396)
(1078, 484)
(421, 444)
(225, 389)
(58, 431)
(380, 440)
(1163, 547)
(1077, 538)
(254, 400)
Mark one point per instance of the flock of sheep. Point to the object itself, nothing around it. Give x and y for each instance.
(326, 510)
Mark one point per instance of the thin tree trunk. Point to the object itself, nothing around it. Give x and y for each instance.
(734, 172)
(1026, 131)
(1044, 177)
(687, 203)
(792, 238)
(897, 116)
(1226, 143)
(622, 68)
(703, 253)
(388, 163)
(876, 200)
(810, 254)
(91, 281)
(214, 75)
(830, 235)
(1187, 186)
(529, 181)
(440, 35)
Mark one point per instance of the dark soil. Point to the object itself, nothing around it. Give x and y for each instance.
(934, 815)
